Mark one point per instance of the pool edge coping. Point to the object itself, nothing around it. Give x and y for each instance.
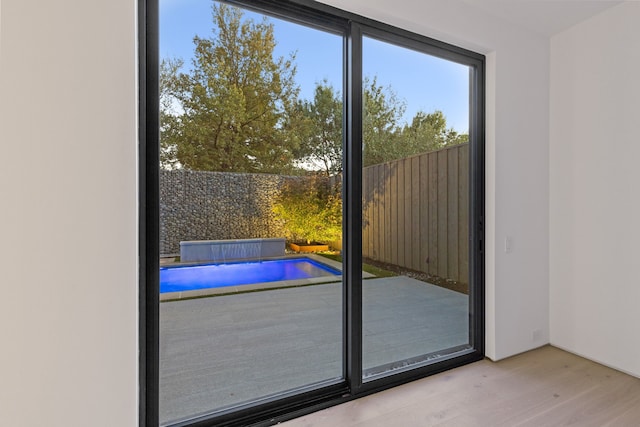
(230, 290)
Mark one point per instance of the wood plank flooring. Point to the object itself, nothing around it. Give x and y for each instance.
(543, 387)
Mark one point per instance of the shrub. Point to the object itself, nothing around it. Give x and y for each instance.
(310, 209)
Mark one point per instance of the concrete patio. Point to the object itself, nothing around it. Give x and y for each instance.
(224, 350)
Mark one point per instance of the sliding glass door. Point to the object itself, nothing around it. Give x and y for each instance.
(415, 206)
(313, 207)
(250, 208)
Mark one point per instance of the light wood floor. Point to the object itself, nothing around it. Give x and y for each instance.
(543, 387)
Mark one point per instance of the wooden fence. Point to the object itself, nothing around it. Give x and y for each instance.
(416, 213)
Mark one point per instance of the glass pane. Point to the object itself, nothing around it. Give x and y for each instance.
(415, 207)
(251, 157)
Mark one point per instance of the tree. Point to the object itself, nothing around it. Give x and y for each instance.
(169, 114)
(230, 112)
(428, 132)
(320, 128)
(382, 113)
(385, 139)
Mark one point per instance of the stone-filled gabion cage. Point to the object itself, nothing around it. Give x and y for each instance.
(197, 205)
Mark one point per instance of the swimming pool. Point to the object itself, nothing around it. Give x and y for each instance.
(190, 278)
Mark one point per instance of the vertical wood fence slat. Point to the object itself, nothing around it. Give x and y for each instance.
(433, 213)
(416, 213)
(393, 213)
(463, 216)
(443, 197)
(379, 198)
(386, 211)
(366, 210)
(408, 219)
(452, 214)
(401, 193)
(367, 206)
(375, 231)
(424, 213)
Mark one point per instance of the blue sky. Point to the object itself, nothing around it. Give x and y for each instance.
(424, 82)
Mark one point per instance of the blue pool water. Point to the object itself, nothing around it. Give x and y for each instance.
(188, 278)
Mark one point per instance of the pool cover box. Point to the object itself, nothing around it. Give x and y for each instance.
(229, 250)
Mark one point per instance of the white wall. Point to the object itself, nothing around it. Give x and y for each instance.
(594, 196)
(68, 314)
(517, 159)
(68, 220)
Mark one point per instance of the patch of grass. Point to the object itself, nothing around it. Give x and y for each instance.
(424, 277)
(376, 271)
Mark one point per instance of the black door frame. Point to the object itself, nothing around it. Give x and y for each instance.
(307, 399)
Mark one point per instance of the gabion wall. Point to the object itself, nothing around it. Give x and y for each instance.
(198, 205)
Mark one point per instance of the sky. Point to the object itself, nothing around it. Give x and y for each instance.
(423, 82)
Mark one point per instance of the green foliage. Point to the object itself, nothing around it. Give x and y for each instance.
(382, 113)
(376, 271)
(384, 139)
(428, 132)
(310, 209)
(320, 130)
(230, 112)
(237, 110)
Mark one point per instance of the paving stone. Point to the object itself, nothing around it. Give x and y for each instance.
(224, 350)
